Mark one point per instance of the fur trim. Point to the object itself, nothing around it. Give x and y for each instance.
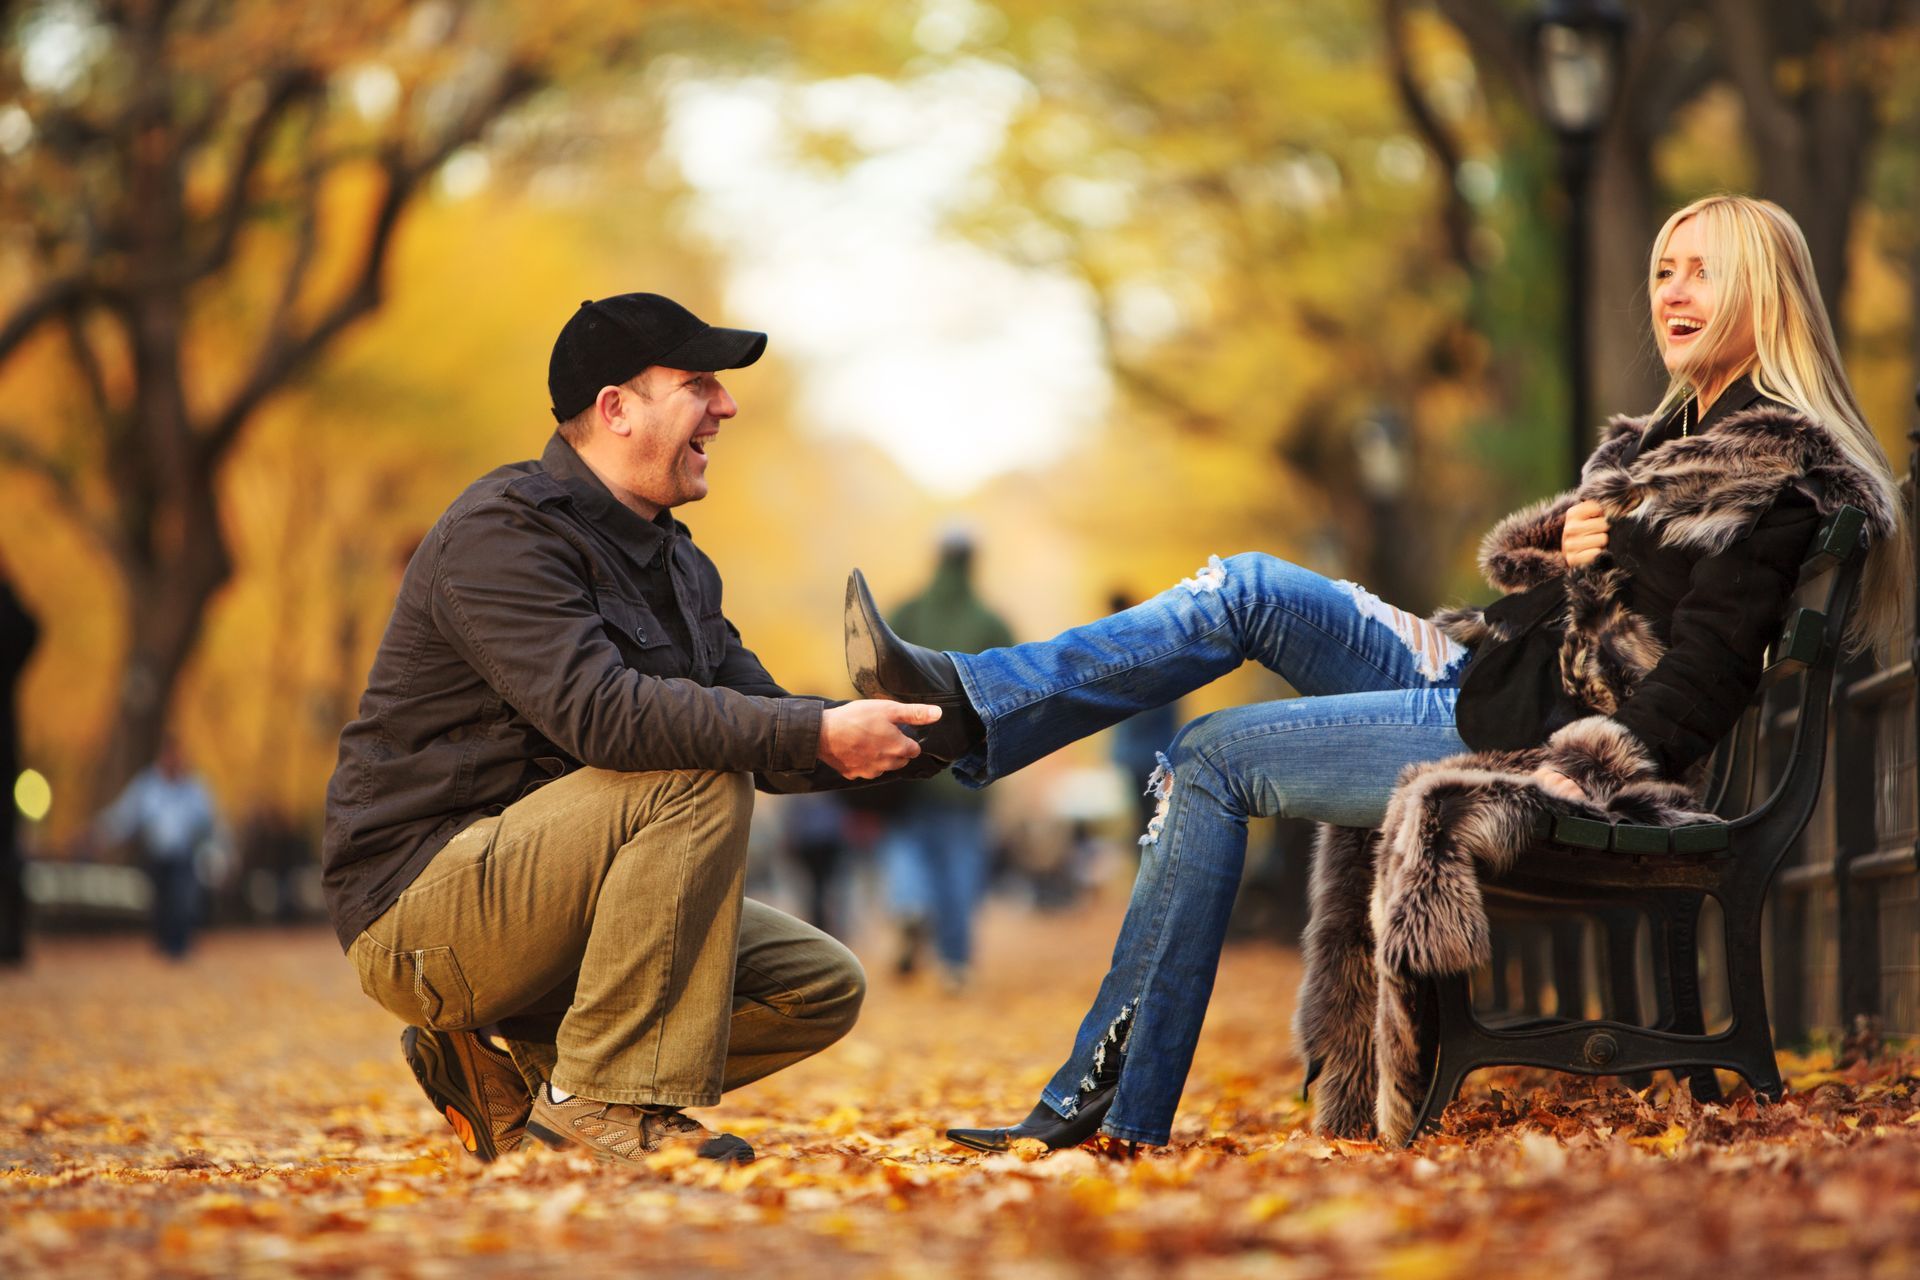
(1404, 1076)
(1602, 755)
(1451, 821)
(1606, 649)
(1701, 492)
(1705, 491)
(1448, 823)
(1333, 1018)
(1523, 550)
(1467, 627)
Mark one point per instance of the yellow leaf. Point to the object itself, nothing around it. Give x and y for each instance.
(1663, 1143)
(1424, 1262)
(1265, 1207)
(386, 1195)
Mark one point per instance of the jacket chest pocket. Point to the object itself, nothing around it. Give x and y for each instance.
(714, 637)
(644, 643)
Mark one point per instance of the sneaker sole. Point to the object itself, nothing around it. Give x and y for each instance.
(444, 1084)
(723, 1148)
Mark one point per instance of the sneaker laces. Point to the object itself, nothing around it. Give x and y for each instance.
(669, 1120)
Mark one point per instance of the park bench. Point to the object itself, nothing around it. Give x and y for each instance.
(1618, 875)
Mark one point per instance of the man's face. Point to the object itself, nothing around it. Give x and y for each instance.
(671, 416)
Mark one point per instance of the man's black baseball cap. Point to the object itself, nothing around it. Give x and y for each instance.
(606, 342)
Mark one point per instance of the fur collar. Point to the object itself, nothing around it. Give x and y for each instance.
(1701, 492)
(1704, 491)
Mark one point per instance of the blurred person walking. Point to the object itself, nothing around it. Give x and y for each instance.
(167, 811)
(536, 834)
(935, 850)
(18, 635)
(816, 841)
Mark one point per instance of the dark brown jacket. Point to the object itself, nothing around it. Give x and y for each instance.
(542, 626)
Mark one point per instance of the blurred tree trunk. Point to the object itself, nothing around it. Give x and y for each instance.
(1807, 77)
(133, 253)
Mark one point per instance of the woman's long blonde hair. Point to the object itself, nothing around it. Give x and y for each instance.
(1762, 267)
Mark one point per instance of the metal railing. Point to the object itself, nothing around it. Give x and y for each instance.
(1844, 935)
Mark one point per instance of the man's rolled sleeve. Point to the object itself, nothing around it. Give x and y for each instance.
(796, 735)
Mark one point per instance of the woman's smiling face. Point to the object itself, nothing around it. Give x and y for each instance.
(1686, 293)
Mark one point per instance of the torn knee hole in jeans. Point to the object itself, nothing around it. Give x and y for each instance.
(1209, 577)
(1437, 652)
(1160, 787)
(1108, 1056)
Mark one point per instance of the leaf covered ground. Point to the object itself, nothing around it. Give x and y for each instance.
(248, 1113)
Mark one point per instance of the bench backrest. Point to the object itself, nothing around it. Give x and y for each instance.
(1796, 688)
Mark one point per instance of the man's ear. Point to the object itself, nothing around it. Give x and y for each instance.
(611, 407)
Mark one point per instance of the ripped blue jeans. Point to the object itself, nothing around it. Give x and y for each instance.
(1378, 692)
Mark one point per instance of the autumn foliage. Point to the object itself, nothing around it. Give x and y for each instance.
(248, 1112)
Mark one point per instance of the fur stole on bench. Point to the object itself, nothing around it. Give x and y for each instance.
(1394, 906)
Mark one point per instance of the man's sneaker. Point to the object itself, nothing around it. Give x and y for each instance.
(473, 1085)
(628, 1134)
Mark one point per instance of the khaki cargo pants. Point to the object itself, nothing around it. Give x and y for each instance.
(600, 923)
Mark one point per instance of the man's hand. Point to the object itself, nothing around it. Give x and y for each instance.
(863, 739)
(1584, 535)
(1557, 783)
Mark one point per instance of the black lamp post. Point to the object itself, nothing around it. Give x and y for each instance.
(1576, 49)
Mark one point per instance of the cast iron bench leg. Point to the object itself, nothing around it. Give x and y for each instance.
(1679, 927)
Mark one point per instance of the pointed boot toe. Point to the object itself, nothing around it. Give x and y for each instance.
(1044, 1125)
(882, 665)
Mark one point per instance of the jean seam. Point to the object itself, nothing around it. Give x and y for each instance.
(673, 948)
(1163, 904)
(1235, 611)
(799, 1001)
(1252, 732)
(1095, 678)
(1127, 1133)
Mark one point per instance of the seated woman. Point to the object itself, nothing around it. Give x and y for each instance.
(1647, 596)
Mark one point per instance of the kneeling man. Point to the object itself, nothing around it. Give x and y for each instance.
(536, 832)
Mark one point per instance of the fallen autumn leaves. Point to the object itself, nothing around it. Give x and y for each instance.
(249, 1112)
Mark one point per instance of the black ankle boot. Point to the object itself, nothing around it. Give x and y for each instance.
(1043, 1125)
(882, 665)
(1094, 1098)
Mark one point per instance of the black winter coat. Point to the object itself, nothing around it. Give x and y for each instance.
(1620, 675)
(1666, 631)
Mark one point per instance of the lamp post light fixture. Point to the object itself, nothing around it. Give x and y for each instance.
(1576, 49)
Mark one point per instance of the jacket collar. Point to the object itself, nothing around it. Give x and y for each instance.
(1737, 395)
(1708, 489)
(640, 538)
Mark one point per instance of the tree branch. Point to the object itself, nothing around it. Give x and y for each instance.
(286, 88)
(1496, 41)
(87, 360)
(17, 453)
(306, 243)
(285, 351)
(54, 298)
(1749, 62)
(1456, 218)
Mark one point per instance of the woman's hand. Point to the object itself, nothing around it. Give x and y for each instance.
(1584, 535)
(1559, 784)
